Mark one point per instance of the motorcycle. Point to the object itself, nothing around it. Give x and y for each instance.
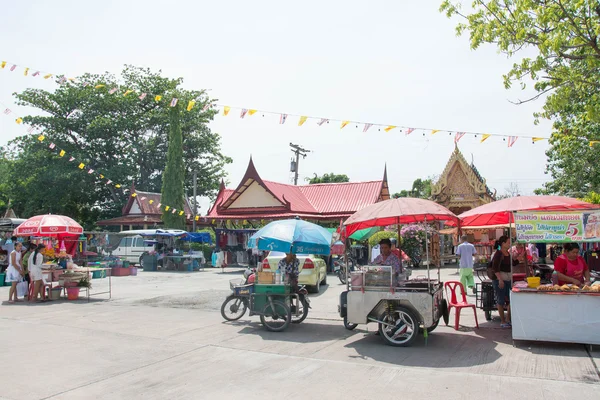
(339, 268)
(235, 305)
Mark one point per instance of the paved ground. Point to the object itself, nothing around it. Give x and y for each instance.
(162, 337)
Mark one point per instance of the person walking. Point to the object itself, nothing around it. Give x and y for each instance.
(14, 272)
(36, 259)
(466, 251)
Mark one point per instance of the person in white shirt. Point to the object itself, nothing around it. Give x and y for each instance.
(466, 251)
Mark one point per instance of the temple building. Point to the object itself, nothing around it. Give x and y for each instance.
(256, 199)
(461, 187)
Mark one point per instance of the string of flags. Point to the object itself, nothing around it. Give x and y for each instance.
(244, 112)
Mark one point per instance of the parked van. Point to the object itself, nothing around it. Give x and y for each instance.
(131, 248)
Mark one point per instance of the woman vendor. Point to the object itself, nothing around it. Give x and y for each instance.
(502, 277)
(571, 267)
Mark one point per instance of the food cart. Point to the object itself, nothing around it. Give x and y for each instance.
(402, 307)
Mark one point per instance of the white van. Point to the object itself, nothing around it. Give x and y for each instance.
(131, 248)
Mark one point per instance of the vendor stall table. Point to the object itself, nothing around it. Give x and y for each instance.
(50, 282)
(555, 316)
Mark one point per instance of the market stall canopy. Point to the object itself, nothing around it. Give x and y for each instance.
(49, 225)
(500, 212)
(198, 237)
(402, 211)
(364, 234)
(292, 235)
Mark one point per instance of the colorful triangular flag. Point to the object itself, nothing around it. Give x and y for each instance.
(142, 96)
(458, 136)
(344, 123)
(62, 153)
(206, 106)
(173, 102)
(484, 137)
(512, 140)
(367, 127)
(243, 113)
(322, 121)
(389, 128)
(2, 64)
(302, 120)
(536, 139)
(98, 86)
(190, 105)
(26, 71)
(434, 131)
(41, 138)
(113, 90)
(19, 120)
(282, 118)
(36, 73)
(52, 146)
(71, 159)
(128, 91)
(7, 111)
(47, 76)
(251, 112)
(593, 142)
(13, 67)
(226, 110)
(81, 166)
(157, 98)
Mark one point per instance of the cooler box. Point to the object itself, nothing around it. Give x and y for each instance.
(266, 277)
(260, 301)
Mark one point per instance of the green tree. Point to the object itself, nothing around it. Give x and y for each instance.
(173, 178)
(421, 188)
(557, 41)
(328, 178)
(122, 136)
(377, 237)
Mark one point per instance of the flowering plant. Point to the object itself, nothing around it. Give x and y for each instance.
(413, 240)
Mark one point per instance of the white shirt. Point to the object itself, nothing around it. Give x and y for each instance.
(466, 251)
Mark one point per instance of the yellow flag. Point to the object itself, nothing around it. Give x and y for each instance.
(133, 194)
(81, 166)
(99, 86)
(47, 76)
(302, 120)
(19, 120)
(3, 64)
(433, 132)
(593, 142)
(62, 153)
(344, 123)
(101, 176)
(389, 128)
(197, 218)
(190, 105)
(167, 208)
(41, 138)
(118, 186)
(485, 137)
(251, 112)
(180, 213)
(150, 201)
(226, 110)
(127, 92)
(26, 71)
(157, 98)
(537, 139)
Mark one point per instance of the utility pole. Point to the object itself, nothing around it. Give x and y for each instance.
(195, 210)
(298, 151)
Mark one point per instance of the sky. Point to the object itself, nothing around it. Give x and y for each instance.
(387, 62)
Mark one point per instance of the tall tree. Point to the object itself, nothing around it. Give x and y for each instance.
(173, 185)
(328, 178)
(421, 188)
(560, 53)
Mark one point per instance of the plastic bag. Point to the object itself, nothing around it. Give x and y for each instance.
(22, 288)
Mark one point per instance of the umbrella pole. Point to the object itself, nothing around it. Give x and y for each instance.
(511, 214)
(427, 254)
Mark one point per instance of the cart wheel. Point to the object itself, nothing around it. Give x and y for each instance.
(233, 308)
(404, 330)
(271, 319)
(348, 325)
(488, 315)
(303, 305)
(445, 312)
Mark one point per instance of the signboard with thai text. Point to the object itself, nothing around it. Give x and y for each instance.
(558, 227)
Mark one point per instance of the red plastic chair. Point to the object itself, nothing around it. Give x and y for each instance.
(458, 305)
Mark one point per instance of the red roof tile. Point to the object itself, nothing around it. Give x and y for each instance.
(342, 197)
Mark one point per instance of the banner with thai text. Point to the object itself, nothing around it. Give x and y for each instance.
(558, 227)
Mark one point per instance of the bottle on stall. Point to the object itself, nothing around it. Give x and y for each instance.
(278, 277)
(554, 278)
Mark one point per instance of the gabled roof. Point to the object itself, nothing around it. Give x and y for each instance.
(149, 209)
(327, 200)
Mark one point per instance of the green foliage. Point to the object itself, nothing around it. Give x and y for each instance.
(377, 237)
(592, 197)
(421, 188)
(328, 178)
(173, 179)
(122, 137)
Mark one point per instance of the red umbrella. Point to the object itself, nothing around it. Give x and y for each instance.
(500, 212)
(405, 210)
(49, 225)
(338, 248)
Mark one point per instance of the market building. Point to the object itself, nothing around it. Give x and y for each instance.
(256, 199)
(141, 212)
(461, 187)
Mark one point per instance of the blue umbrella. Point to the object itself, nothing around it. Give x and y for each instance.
(292, 236)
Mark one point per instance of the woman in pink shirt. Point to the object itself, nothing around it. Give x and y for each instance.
(571, 267)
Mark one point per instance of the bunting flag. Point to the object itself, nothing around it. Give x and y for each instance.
(81, 166)
(108, 182)
(62, 80)
(19, 120)
(226, 110)
(166, 208)
(36, 73)
(173, 211)
(26, 71)
(251, 112)
(133, 194)
(512, 140)
(282, 118)
(458, 136)
(157, 98)
(150, 201)
(62, 153)
(190, 105)
(537, 139)
(128, 91)
(52, 146)
(142, 96)
(593, 142)
(71, 159)
(344, 123)
(101, 176)
(173, 102)
(243, 113)
(99, 86)
(91, 171)
(47, 76)
(3, 64)
(366, 128)
(389, 128)
(113, 90)
(434, 131)
(485, 137)
(322, 121)
(181, 213)
(409, 131)
(197, 217)
(13, 67)
(118, 186)
(86, 84)
(302, 120)
(158, 206)
(7, 111)
(143, 198)
(41, 138)
(207, 106)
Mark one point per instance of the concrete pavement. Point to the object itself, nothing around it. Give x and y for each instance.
(162, 337)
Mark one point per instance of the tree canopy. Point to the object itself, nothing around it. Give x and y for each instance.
(557, 42)
(173, 178)
(123, 136)
(328, 178)
(421, 188)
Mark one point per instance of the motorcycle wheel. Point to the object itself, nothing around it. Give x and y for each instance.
(271, 319)
(303, 312)
(233, 308)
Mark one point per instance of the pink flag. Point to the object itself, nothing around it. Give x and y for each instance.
(458, 136)
(36, 73)
(86, 84)
(13, 67)
(91, 171)
(7, 111)
(322, 121)
(62, 80)
(52, 145)
(158, 206)
(282, 118)
(173, 102)
(409, 130)
(367, 126)
(512, 140)
(143, 198)
(243, 113)
(173, 212)
(72, 159)
(206, 107)
(142, 96)
(108, 182)
(113, 90)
